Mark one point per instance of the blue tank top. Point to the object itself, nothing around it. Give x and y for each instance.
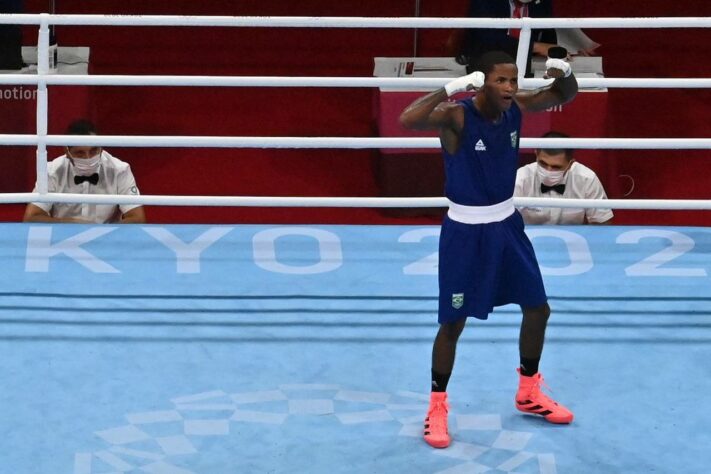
(483, 171)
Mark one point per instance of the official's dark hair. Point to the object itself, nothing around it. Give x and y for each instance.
(556, 151)
(490, 59)
(81, 127)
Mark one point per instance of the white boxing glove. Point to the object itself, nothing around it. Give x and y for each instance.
(466, 83)
(555, 63)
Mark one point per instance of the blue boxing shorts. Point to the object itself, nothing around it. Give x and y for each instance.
(486, 265)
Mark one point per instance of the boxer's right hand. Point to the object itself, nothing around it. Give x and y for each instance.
(470, 82)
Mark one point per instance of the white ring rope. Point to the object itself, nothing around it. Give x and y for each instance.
(348, 142)
(352, 22)
(268, 201)
(287, 81)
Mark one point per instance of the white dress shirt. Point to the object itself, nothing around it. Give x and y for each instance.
(580, 183)
(115, 177)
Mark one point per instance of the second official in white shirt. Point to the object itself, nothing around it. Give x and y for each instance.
(87, 170)
(555, 174)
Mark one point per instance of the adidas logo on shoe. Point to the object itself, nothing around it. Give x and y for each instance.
(480, 146)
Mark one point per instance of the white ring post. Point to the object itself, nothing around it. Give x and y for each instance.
(524, 40)
(42, 102)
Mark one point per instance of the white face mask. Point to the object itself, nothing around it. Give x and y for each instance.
(548, 177)
(86, 166)
(526, 1)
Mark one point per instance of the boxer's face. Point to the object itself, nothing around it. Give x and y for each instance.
(501, 85)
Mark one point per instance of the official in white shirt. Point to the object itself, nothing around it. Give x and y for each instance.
(87, 170)
(556, 174)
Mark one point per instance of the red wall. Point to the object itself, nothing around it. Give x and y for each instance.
(348, 112)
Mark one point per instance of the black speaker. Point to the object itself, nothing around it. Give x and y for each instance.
(11, 38)
(10, 47)
(557, 52)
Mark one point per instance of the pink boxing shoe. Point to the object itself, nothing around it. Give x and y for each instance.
(530, 399)
(436, 432)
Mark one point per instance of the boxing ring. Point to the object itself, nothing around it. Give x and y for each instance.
(256, 348)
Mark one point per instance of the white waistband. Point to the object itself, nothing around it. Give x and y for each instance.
(480, 214)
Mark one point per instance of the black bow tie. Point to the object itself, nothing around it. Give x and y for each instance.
(92, 178)
(559, 188)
